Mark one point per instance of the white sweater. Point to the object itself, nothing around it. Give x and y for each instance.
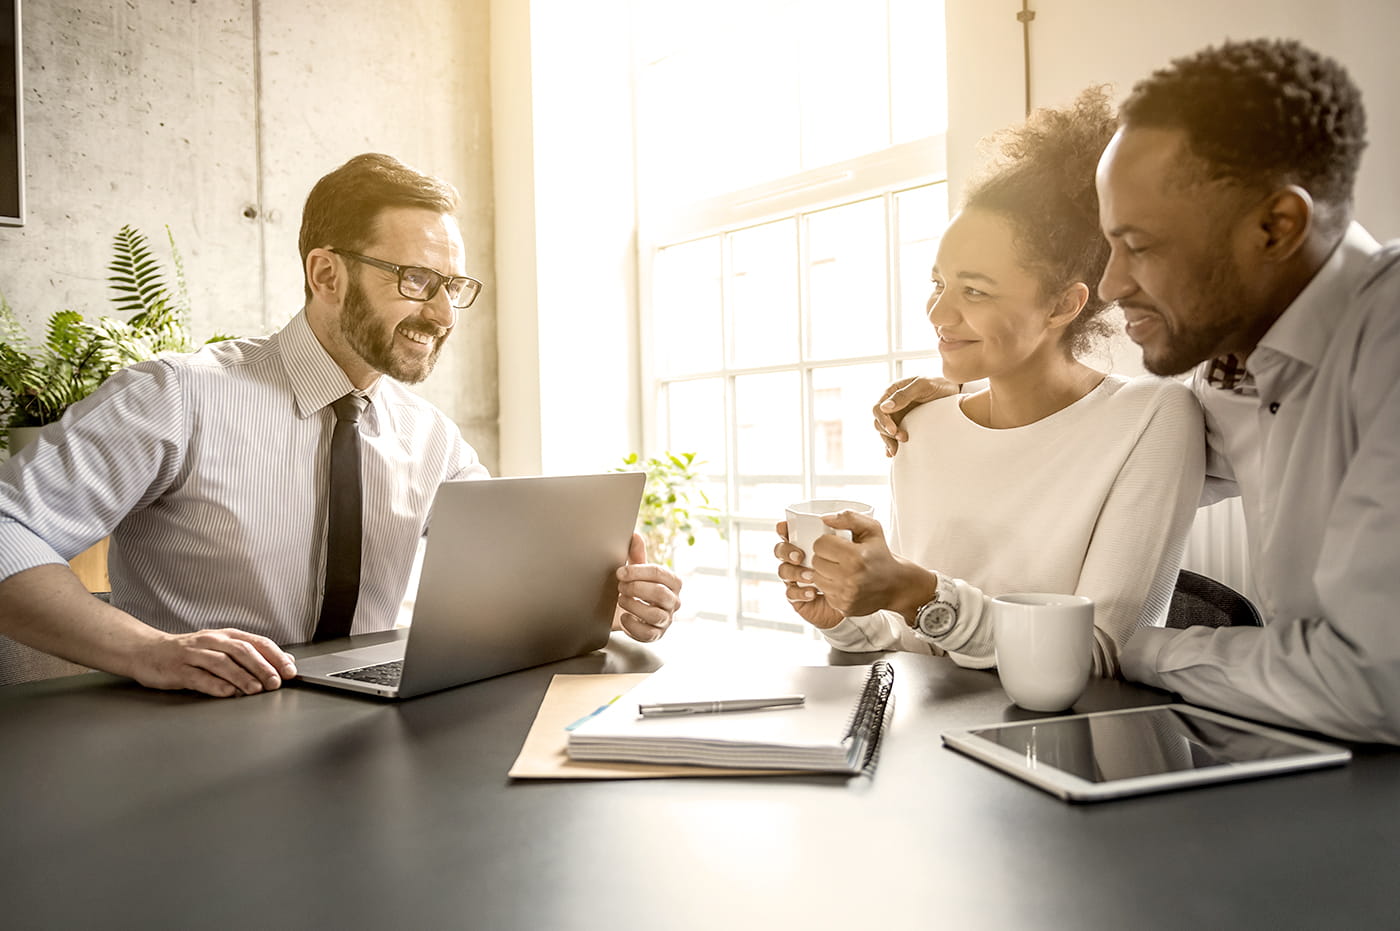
(1095, 500)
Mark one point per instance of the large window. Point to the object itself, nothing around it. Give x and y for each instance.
(791, 191)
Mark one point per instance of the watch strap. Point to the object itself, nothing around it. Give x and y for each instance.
(939, 615)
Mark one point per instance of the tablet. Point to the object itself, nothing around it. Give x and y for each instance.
(1110, 754)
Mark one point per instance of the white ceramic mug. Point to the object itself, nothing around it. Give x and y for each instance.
(804, 520)
(1044, 647)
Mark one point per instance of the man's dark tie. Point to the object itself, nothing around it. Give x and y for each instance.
(343, 522)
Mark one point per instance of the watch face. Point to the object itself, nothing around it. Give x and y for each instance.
(936, 618)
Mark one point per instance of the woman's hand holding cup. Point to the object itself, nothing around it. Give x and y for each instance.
(844, 569)
(796, 575)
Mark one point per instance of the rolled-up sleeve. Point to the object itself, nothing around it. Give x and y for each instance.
(113, 452)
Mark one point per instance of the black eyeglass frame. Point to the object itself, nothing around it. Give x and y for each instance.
(470, 286)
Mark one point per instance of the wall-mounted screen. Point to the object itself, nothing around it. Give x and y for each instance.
(11, 117)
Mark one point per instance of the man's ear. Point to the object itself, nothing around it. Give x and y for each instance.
(1284, 220)
(326, 275)
(1070, 302)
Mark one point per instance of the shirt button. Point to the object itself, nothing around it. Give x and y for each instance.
(1273, 408)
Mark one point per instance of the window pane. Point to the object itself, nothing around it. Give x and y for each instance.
(753, 331)
(844, 79)
(695, 423)
(763, 597)
(686, 308)
(922, 214)
(759, 138)
(930, 366)
(717, 97)
(710, 549)
(918, 69)
(709, 595)
(766, 599)
(849, 460)
(736, 93)
(846, 280)
(756, 542)
(763, 294)
(768, 427)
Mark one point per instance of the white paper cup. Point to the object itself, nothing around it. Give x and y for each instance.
(1044, 647)
(804, 520)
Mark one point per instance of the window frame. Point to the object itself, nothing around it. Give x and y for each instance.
(883, 174)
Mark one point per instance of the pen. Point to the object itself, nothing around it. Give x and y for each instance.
(733, 704)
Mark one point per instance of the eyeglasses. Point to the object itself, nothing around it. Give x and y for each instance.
(421, 284)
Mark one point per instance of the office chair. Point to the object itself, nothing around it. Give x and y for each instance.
(1199, 599)
(19, 663)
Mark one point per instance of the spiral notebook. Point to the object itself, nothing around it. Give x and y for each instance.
(836, 728)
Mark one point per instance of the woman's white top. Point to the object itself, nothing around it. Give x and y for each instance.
(1094, 500)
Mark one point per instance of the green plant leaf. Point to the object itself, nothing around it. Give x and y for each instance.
(671, 502)
(38, 383)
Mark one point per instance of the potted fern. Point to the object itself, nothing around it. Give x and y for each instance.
(39, 382)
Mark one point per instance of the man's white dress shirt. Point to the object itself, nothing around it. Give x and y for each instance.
(1315, 457)
(210, 473)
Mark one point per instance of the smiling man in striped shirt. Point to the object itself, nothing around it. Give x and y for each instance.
(210, 471)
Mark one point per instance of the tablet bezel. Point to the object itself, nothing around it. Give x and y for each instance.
(1066, 785)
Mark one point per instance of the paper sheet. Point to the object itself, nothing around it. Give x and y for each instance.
(545, 752)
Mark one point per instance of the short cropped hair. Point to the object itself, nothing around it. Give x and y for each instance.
(1042, 183)
(1261, 113)
(341, 209)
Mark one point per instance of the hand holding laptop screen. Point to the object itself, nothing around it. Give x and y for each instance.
(648, 595)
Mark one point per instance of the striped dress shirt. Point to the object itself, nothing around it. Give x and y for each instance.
(1313, 451)
(210, 473)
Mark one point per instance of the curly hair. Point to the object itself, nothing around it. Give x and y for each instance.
(1261, 113)
(342, 207)
(1042, 183)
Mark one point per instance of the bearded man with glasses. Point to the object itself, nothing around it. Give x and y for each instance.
(210, 470)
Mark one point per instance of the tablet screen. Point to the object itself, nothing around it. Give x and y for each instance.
(1150, 741)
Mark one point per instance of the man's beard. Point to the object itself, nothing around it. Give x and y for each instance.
(1220, 311)
(365, 334)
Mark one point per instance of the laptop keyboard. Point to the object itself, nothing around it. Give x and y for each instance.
(379, 674)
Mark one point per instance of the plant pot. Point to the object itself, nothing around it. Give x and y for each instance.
(90, 565)
(21, 437)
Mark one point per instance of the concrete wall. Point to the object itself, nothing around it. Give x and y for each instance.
(215, 118)
(146, 116)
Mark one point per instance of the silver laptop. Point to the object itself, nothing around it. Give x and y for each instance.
(517, 572)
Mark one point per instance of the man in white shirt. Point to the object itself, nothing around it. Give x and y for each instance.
(1226, 197)
(210, 471)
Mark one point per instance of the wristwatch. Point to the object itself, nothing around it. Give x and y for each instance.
(936, 618)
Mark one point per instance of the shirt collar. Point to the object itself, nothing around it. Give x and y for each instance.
(1305, 328)
(315, 377)
(1228, 373)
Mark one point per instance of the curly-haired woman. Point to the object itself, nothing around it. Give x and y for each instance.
(1056, 477)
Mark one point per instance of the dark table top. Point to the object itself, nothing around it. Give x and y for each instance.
(123, 807)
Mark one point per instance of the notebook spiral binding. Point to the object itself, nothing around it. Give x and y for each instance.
(868, 719)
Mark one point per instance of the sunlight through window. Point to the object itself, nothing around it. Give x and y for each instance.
(791, 190)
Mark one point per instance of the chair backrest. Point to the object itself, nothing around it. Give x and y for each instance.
(1201, 600)
(19, 663)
